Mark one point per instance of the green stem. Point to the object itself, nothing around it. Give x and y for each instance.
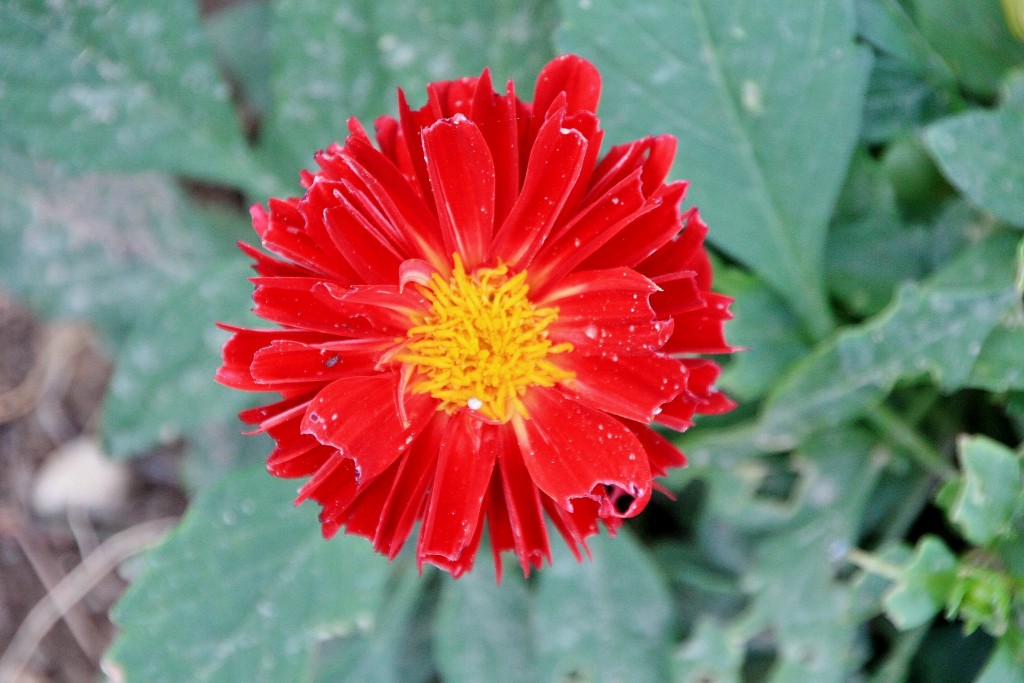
(903, 650)
(874, 564)
(899, 433)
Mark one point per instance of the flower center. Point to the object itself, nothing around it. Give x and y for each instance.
(483, 343)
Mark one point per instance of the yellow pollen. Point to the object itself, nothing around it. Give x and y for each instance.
(483, 343)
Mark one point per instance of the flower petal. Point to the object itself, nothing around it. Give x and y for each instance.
(523, 500)
(360, 244)
(496, 117)
(293, 361)
(606, 311)
(554, 167)
(468, 452)
(408, 495)
(359, 417)
(633, 386)
(574, 452)
(661, 453)
(241, 348)
(462, 179)
(598, 223)
(645, 235)
(293, 302)
(576, 77)
(410, 219)
(702, 330)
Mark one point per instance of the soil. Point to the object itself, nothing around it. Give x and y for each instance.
(52, 382)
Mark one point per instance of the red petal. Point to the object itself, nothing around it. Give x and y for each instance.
(462, 179)
(685, 252)
(661, 453)
(588, 231)
(411, 220)
(576, 77)
(293, 301)
(299, 464)
(574, 452)
(293, 361)
(606, 311)
(703, 374)
(680, 293)
(359, 417)
(368, 255)
(275, 412)
(464, 467)
(634, 386)
(335, 483)
(645, 235)
(412, 122)
(285, 234)
(382, 308)
(526, 516)
(702, 330)
(554, 166)
(652, 156)
(496, 117)
(241, 348)
(408, 496)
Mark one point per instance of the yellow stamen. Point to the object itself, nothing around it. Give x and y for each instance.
(483, 343)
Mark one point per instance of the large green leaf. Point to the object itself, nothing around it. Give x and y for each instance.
(769, 335)
(924, 586)
(936, 328)
(987, 498)
(872, 252)
(482, 633)
(982, 154)
(332, 61)
(118, 85)
(798, 610)
(1000, 365)
(101, 247)
(973, 38)
(910, 83)
(766, 101)
(397, 649)
(163, 387)
(245, 589)
(604, 620)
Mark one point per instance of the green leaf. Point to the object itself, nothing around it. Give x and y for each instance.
(767, 331)
(973, 38)
(1003, 666)
(910, 84)
(886, 25)
(124, 86)
(602, 620)
(332, 61)
(163, 387)
(397, 649)
(482, 632)
(101, 247)
(936, 328)
(245, 589)
(766, 154)
(806, 608)
(1000, 366)
(239, 38)
(924, 585)
(711, 654)
(987, 499)
(982, 154)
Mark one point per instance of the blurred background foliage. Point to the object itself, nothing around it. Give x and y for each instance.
(861, 164)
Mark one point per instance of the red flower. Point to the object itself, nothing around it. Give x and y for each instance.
(479, 320)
